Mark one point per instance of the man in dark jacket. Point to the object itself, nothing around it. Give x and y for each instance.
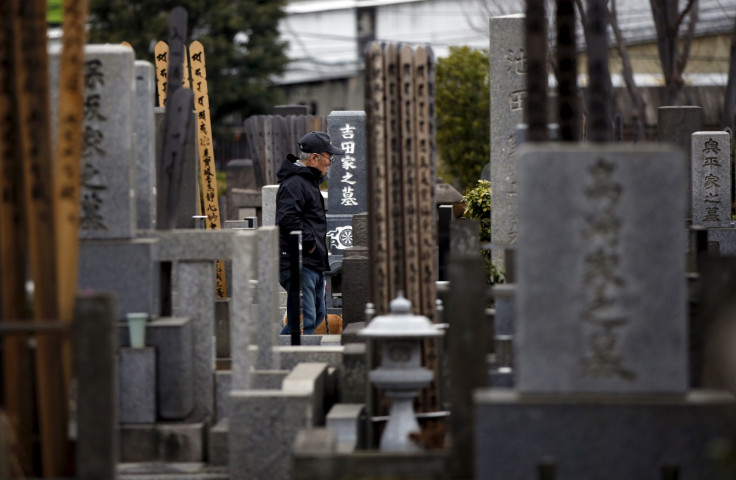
(300, 206)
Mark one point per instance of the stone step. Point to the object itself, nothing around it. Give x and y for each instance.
(171, 471)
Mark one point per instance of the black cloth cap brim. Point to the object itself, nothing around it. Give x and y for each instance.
(334, 150)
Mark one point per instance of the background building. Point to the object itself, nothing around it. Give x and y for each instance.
(327, 37)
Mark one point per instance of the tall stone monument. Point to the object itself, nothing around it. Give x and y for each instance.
(110, 257)
(348, 177)
(508, 97)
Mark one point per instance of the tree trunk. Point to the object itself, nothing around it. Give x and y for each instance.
(638, 106)
(667, 21)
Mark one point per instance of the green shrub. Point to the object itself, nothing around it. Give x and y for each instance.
(478, 206)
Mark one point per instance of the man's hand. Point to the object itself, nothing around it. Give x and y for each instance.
(313, 249)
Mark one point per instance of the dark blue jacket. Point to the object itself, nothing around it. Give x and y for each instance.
(300, 206)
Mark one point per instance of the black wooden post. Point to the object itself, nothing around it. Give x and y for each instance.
(567, 86)
(536, 79)
(445, 218)
(293, 303)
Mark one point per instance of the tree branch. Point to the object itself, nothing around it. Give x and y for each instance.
(637, 102)
(689, 5)
(687, 41)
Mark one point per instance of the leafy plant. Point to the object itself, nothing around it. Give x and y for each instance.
(478, 206)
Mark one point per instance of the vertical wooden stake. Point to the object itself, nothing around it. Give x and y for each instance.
(30, 61)
(17, 380)
(161, 55)
(208, 175)
(67, 170)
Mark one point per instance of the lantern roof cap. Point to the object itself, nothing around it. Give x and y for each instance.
(400, 323)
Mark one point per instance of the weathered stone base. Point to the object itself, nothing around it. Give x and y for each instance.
(599, 436)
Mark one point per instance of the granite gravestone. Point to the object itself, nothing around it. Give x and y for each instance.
(107, 206)
(601, 296)
(347, 187)
(145, 146)
(675, 125)
(711, 179)
(508, 95)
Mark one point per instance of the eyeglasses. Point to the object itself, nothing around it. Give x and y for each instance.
(329, 157)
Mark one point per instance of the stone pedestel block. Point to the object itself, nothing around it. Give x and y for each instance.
(503, 322)
(606, 437)
(268, 199)
(127, 268)
(223, 383)
(282, 415)
(353, 374)
(196, 283)
(172, 339)
(137, 381)
(347, 420)
(355, 285)
(217, 446)
(726, 238)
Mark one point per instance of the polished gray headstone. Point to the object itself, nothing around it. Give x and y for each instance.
(601, 297)
(348, 186)
(711, 179)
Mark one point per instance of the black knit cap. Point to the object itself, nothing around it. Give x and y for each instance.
(318, 142)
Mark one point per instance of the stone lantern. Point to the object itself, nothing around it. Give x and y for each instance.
(401, 374)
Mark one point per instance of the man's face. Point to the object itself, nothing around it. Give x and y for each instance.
(322, 161)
